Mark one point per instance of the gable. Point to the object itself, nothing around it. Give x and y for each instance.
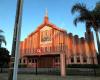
(45, 28)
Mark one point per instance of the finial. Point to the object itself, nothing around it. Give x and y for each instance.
(46, 13)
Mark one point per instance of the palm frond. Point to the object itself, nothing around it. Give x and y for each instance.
(79, 19)
(79, 8)
(99, 30)
(1, 30)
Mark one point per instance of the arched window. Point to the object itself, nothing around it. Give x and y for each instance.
(33, 60)
(72, 58)
(78, 59)
(29, 60)
(24, 61)
(84, 58)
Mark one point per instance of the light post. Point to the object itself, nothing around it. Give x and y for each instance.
(38, 51)
(36, 67)
(12, 74)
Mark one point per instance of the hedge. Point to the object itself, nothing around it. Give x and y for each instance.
(22, 65)
(83, 66)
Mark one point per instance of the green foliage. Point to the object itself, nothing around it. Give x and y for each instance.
(83, 66)
(4, 57)
(22, 65)
(2, 38)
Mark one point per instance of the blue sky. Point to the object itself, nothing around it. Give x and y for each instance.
(59, 13)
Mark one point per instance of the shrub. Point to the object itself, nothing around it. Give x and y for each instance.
(83, 66)
(22, 65)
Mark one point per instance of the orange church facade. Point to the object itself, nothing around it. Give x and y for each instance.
(44, 46)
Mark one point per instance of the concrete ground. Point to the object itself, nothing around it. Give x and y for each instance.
(4, 76)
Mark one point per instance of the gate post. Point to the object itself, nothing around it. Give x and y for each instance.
(62, 65)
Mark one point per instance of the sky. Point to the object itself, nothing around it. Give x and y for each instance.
(59, 13)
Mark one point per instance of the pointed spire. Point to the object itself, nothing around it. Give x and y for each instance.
(46, 16)
(46, 13)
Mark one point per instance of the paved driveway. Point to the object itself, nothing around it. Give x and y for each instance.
(3, 76)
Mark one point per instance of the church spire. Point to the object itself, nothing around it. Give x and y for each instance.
(46, 13)
(46, 16)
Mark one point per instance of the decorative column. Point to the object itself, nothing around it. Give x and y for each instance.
(80, 49)
(87, 52)
(62, 64)
(75, 51)
(68, 51)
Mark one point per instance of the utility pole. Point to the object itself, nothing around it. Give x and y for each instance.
(12, 74)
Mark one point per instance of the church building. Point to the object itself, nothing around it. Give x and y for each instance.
(43, 47)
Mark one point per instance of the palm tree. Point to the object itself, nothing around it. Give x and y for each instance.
(2, 39)
(87, 16)
(96, 13)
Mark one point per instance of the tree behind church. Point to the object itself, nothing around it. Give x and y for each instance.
(4, 58)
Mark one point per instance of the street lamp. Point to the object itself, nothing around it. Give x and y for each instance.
(38, 51)
(12, 74)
